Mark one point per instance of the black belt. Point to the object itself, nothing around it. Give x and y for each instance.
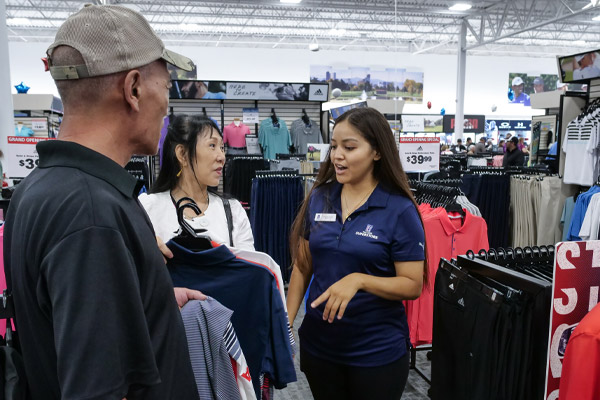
(236, 148)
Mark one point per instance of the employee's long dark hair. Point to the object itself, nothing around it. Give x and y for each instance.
(184, 130)
(388, 171)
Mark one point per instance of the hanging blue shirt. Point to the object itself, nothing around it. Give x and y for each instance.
(274, 139)
(373, 330)
(581, 205)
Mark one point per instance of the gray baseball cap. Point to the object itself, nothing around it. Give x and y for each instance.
(111, 39)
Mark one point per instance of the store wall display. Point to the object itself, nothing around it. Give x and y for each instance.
(422, 123)
(178, 74)
(579, 67)
(521, 86)
(221, 90)
(486, 83)
(472, 123)
(198, 90)
(364, 82)
(497, 129)
(337, 111)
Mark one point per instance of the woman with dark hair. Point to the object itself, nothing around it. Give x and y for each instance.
(360, 235)
(193, 159)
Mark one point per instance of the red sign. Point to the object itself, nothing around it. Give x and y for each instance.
(420, 140)
(26, 139)
(575, 293)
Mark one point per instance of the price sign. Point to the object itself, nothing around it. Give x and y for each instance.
(420, 154)
(574, 294)
(39, 124)
(21, 155)
(250, 115)
(252, 144)
(413, 123)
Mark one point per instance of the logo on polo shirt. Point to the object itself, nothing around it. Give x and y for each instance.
(368, 232)
(246, 375)
(461, 301)
(318, 92)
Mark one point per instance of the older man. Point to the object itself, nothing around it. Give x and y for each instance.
(94, 303)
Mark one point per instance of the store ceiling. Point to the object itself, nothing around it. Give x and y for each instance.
(512, 27)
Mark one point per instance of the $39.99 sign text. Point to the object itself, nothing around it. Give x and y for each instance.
(420, 159)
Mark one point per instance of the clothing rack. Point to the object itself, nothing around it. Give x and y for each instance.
(245, 157)
(450, 182)
(539, 291)
(277, 174)
(297, 157)
(510, 256)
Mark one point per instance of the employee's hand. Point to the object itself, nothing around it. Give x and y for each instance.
(338, 296)
(166, 252)
(183, 295)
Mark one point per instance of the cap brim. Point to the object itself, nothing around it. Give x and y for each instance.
(178, 60)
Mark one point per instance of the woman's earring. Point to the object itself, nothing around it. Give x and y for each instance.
(179, 173)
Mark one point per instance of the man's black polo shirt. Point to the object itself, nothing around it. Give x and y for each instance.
(515, 157)
(94, 301)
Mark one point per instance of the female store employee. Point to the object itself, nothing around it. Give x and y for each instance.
(360, 234)
(193, 160)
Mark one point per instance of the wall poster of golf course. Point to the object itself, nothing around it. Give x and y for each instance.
(371, 83)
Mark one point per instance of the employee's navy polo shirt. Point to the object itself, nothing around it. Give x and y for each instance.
(95, 308)
(387, 228)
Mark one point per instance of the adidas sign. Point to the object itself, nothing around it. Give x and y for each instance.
(420, 148)
(318, 92)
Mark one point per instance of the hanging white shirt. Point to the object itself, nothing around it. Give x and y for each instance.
(163, 215)
(579, 160)
(591, 222)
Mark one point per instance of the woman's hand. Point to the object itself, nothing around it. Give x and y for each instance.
(338, 296)
(166, 252)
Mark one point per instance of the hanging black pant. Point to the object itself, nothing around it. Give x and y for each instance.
(467, 333)
(275, 202)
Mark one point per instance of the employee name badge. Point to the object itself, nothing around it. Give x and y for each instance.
(325, 217)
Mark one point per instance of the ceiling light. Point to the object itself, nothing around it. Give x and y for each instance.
(313, 46)
(189, 27)
(290, 1)
(337, 32)
(579, 42)
(460, 7)
(18, 21)
(596, 18)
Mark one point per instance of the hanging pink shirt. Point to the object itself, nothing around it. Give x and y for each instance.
(235, 136)
(446, 238)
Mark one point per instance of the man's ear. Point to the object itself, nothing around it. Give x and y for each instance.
(132, 89)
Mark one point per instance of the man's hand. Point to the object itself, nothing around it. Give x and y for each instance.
(166, 252)
(183, 295)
